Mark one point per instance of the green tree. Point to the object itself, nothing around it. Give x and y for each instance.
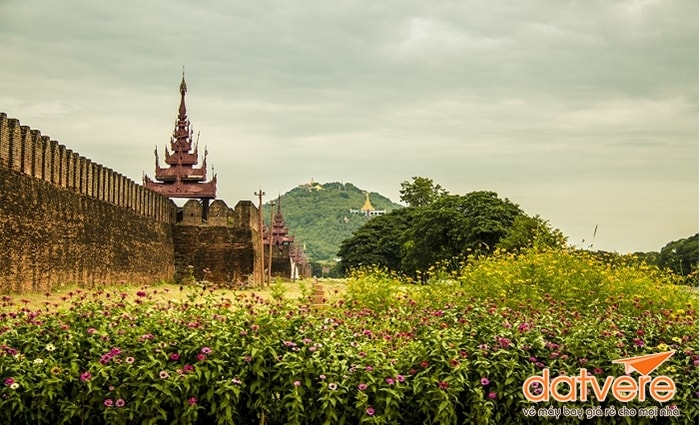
(681, 256)
(650, 258)
(527, 232)
(421, 192)
(378, 242)
(454, 226)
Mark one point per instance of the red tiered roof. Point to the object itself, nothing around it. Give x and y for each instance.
(181, 179)
(280, 233)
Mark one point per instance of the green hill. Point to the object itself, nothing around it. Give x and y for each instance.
(319, 216)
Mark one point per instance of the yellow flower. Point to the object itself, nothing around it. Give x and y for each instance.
(662, 347)
(676, 340)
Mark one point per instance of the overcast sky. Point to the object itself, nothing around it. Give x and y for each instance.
(584, 112)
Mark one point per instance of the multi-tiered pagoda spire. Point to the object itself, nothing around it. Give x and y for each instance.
(278, 233)
(181, 179)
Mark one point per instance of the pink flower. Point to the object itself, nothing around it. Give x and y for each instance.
(120, 402)
(370, 411)
(164, 374)
(362, 387)
(206, 350)
(443, 385)
(187, 368)
(297, 383)
(503, 342)
(130, 360)
(485, 381)
(108, 402)
(332, 386)
(400, 378)
(192, 401)
(390, 381)
(201, 357)
(85, 376)
(9, 381)
(174, 356)
(492, 395)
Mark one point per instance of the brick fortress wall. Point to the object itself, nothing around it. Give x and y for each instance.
(64, 218)
(226, 245)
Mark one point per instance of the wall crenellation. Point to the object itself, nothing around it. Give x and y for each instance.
(65, 218)
(27, 151)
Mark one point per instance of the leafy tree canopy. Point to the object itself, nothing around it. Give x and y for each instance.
(532, 232)
(378, 242)
(446, 229)
(421, 192)
(681, 256)
(454, 226)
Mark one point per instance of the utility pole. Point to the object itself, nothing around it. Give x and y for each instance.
(261, 263)
(269, 260)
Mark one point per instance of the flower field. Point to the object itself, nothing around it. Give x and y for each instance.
(455, 351)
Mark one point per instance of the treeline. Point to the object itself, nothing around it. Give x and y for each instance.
(679, 256)
(439, 229)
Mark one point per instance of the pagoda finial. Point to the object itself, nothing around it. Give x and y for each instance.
(182, 111)
(367, 207)
(183, 84)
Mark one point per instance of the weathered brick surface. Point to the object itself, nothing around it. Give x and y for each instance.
(225, 245)
(50, 235)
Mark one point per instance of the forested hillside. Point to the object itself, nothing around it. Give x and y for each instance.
(319, 216)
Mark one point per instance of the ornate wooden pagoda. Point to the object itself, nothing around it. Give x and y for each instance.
(278, 241)
(181, 179)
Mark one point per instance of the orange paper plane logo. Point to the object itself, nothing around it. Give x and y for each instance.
(645, 364)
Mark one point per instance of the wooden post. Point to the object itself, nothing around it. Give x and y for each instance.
(261, 263)
(269, 241)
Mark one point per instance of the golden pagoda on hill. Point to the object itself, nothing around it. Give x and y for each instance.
(368, 209)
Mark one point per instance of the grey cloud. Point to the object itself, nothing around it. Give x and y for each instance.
(552, 102)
